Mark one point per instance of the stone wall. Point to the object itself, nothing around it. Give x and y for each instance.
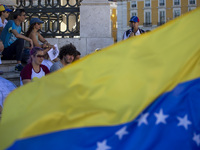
(95, 28)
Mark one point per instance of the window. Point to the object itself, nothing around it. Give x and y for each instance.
(177, 12)
(161, 17)
(191, 8)
(134, 13)
(134, 4)
(161, 2)
(192, 2)
(147, 3)
(147, 18)
(176, 2)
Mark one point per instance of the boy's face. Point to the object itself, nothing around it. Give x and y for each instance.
(5, 14)
(22, 17)
(77, 57)
(134, 25)
(68, 58)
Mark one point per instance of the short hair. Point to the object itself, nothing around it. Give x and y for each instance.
(68, 49)
(17, 12)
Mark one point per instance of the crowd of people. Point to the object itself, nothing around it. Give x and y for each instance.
(15, 46)
(31, 48)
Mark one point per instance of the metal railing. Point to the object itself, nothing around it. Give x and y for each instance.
(160, 23)
(61, 17)
(147, 24)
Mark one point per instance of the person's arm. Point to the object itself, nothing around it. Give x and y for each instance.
(25, 74)
(45, 43)
(1, 46)
(1, 29)
(132, 34)
(41, 38)
(26, 81)
(35, 41)
(20, 36)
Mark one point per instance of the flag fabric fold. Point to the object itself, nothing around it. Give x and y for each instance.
(141, 93)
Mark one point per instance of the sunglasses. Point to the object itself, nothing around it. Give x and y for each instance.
(40, 56)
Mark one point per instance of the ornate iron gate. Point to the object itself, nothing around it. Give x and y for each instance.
(61, 17)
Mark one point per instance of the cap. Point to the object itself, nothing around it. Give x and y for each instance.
(35, 20)
(134, 19)
(5, 8)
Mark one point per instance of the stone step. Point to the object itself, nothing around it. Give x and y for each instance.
(8, 65)
(8, 68)
(15, 81)
(12, 76)
(8, 61)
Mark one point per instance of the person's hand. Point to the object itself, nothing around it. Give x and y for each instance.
(132, 34)
(45, 45)
(54, 47)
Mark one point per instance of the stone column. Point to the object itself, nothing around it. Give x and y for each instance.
(121, 19)
(95, 24)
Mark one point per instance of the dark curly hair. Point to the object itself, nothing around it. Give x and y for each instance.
(68, 49)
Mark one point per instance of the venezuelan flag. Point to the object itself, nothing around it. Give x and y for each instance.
(142, 93)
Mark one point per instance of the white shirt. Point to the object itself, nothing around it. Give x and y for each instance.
(3, 24)
(138, 32)
(130, 30)
(47, 63)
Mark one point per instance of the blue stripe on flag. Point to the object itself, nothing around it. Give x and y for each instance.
(171, 122)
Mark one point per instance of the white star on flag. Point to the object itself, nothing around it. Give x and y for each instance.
(161, 118)
(121, 132)
(196, 138)
(143, 119)
(102, 145)
(184, 121)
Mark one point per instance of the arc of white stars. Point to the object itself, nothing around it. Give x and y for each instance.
(103, 145)
(184, 122)
(196, 138)
(143, 119)
(160, 117)
(120, 133)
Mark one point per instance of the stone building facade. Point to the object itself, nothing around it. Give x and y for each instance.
(152, 13)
